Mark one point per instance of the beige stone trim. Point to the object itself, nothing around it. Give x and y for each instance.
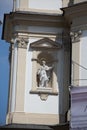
(65, 3)
(20, 79)
(54, 83)
(34, 71)
(9, 118)
(23, 4)
(75, 59)
(41, 35)
(33, 118)
(39, 10)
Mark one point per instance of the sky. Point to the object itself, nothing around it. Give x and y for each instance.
(5, 7)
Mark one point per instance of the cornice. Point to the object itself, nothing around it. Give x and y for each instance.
(75, 11)
(79, 27)
(30, 19)
(37, 19)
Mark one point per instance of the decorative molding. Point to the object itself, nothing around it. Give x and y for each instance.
(44, 96)
(32, 118)
(75, 36)
(22, 42)
(42, 35)
(19, 20)
(55, 12)
(79, 27)
(46, 43)
(44, 92)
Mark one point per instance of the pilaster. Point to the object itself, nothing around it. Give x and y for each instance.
(76, 16)
(21, 69)
(13, 72)
(76, 41)
(13, 75)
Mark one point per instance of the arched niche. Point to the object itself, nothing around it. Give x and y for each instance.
(44, 50)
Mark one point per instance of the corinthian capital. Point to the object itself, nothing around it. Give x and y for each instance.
(22, 42)
(75, 36)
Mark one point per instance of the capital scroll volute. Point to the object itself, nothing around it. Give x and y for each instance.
(22, 42)
(75, 36)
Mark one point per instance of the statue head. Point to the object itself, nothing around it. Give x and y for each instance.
(43, 62)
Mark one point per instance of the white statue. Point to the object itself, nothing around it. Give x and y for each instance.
(43, 76)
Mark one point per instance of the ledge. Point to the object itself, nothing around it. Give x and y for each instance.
(64, 126)
(40, 90)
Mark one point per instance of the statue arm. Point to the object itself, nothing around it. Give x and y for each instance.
(50, 68)
(38, 71)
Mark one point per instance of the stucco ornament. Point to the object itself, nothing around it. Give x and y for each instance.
(44, 74)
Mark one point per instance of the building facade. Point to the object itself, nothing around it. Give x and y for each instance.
(49, 36)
